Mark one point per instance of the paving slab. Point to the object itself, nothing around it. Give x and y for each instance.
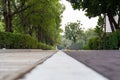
(106, 62)
(14, 63)
(62, 67)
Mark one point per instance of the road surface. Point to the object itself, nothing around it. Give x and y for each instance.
(82, 65)
(62, 67)
(106, 62)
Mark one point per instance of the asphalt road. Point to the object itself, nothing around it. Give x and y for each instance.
(105, 62)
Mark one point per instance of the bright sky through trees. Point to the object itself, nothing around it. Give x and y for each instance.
(70, 15)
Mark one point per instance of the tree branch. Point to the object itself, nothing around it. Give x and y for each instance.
(119, 20)
(116, 25)
(111, 24)
(18, 11)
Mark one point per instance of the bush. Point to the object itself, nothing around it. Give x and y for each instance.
(6, 40)
(86, 47)
(110, 41)
(117, 33)
(94, 43)
(44, 46)
(24, 41)
(20, 41)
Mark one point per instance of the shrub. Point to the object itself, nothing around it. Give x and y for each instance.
(110, 41)
(20, 41)
(6, 40)
(86, 47)
(117, 33)
(24, 41)
(94, 43)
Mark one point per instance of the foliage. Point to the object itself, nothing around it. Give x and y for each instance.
(73, 31)
(103, 40)
(110, 41)
(45, 21)
(65, 43)
(94, 43)
(75, 37)
(39, 18)
(88, 34)
(2, 27)
(95, 8)
(99, 27)
(20, 41)
(44, 46)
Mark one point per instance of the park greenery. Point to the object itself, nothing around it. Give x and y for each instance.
(76, 38)
(30, 23)
(104, 40)
(35, 24)
(95, 8)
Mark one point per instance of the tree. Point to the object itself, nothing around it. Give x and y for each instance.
(44, 21)
(95, 8)
(72, 31)
(10, 8)
(48, 23)
(99, 27)
(39, 18)
(64, 44)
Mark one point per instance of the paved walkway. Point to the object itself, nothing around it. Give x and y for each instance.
(62, 67)
(14, 63)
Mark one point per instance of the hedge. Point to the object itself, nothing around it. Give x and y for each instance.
(109, 42)
(20, 41)
(94, 43)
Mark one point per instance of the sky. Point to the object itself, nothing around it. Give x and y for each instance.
(70, 15)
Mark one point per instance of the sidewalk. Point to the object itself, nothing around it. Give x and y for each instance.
(17, 62)
(62, 67)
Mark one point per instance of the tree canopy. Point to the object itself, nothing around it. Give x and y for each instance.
(95, 8)
(72, 31)
(75, 38)
(39, 18)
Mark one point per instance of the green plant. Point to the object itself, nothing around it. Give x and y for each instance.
(109, 42)
(20, 41)
(94, 43)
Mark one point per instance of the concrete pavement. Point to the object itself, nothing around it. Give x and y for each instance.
(14, 63)
(62, 67)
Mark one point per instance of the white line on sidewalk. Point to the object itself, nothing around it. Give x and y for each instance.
(63, 67)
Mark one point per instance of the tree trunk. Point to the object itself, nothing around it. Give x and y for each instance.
(119, 20)
(7, 15)
(113, 23)
(31, 30)
(8, 23)
(39, 34)
(23, 22)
